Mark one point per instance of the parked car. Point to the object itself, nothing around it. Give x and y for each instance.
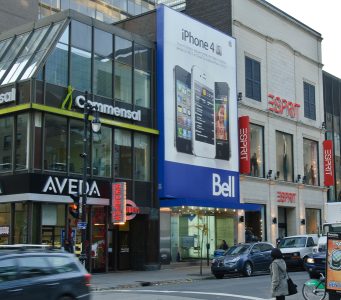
(315, 264)
(243, 258)
(42, 274)
(297, 248)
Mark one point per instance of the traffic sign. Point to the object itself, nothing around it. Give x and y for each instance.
(81, 225)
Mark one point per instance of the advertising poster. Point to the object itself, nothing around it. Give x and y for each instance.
(333, 263)
(198, 120)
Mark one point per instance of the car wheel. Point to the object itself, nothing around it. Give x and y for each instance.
(247, 269)
(218, 276)
(66, 298)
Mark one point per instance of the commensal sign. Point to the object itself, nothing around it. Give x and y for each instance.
(119, 202)
(328, 163)
(280, 106)
(244, 145)
(286, 197)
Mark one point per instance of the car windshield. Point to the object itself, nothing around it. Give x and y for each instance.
(238, 249)
(294, 242)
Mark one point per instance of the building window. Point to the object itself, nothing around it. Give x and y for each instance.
(142, 157)
(76, 145)
(56, 70)
(101, 152)
(21, 149)
(123, 154)
(55, 143)
(80, 56)
(284, 156)
(6, 132)
(256, 150)
(103, 48)
(310, 158)
(252, 79)
(309, 101)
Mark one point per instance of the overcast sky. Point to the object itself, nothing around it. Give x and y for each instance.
(324, 17)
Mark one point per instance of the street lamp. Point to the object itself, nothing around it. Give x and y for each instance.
(89, 109)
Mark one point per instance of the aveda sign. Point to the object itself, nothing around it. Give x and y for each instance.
(110, 110)
(8, 96)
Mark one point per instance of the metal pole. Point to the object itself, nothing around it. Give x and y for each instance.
(84, 255)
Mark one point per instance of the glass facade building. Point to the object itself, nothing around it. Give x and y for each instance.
(46, 71)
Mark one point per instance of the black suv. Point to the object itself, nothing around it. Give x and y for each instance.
(42, 274)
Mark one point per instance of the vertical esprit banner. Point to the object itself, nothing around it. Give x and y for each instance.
(244, 145)
(328, 163)
(119, 200)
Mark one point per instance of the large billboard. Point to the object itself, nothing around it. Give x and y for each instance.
(197, 103)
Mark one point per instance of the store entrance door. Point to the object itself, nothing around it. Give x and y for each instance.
(48, 236)
(123, 250)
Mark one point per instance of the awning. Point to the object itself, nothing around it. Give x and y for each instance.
(205, 203)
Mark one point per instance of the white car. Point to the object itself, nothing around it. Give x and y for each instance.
(296, 248)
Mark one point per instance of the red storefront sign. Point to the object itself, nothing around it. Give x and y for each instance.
(132, 210)
(286, 197)
(119, 202)
(328, 163)
(280, 105)
(244, 144)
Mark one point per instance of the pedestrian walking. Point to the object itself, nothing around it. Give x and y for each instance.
(278, 273)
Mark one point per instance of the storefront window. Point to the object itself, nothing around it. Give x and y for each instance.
(80, 56)
(311, 174)
(21, 219)
(55, 143)
(142, 157)
(5, 223)
(53, 224)
(6, 133)
(256, 150)
(101, 150)
(284, 156)
(56, 70)
(98, 248)
(255, 229)
(103, 63)
(21, 145)
(123, 154)
(123, 82)
(313, 220)
(76, 145)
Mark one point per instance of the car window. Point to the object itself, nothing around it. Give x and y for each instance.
(256, 248)
(265, 247)
(310, 242)
(62, 264)
(33, 266)
(238, 249)
(8, 270)
(294, 242)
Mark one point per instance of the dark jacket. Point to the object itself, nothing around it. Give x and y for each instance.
(278, 272)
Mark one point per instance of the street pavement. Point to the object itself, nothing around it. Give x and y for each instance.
(168, 274)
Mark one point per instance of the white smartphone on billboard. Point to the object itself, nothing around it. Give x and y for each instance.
(203, 118)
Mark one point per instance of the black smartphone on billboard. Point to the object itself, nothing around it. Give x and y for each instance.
(183, 110)
(222, 93)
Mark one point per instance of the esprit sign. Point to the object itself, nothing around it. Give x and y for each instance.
(244, 144)
(63, 186)
(286, 197)
(282, 106)
(8, 96)
(328, 163)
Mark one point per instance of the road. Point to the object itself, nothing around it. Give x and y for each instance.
(229, 288)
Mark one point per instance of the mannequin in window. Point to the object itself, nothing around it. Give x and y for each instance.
(312, 174)
(254, 165)
(285, 159)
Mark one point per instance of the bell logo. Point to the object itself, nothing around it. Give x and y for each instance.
(225, 189)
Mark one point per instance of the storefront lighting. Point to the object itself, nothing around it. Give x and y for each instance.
(277, 175)
(298, 178)
(269, 174)
(274, 220)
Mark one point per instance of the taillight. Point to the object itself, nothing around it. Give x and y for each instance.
(87, 279)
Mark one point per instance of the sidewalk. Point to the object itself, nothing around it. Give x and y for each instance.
(169, 274)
